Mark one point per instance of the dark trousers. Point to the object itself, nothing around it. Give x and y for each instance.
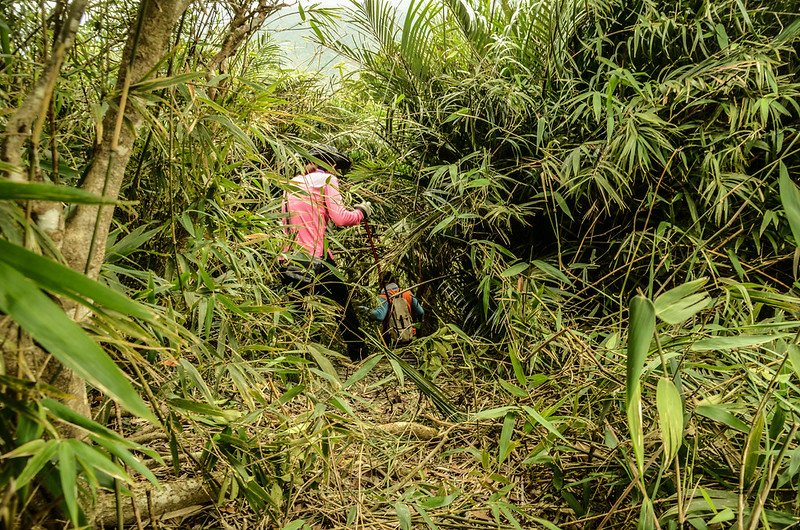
(320, 280)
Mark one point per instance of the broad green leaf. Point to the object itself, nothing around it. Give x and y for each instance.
(46, 322)
(676, 294)
(776, 423)
(189, 371)
(27, 449)
(41, 191)
(67, 471)
(291, 394)
(64, 413)
(343, 405)
(790, 199)
(640, 334)
(722, 415)
(130, 242)
(505, 437)
(62, 280)
(403, 515)
(205, 409)
(670, 418)
(158, 83)
(686, 308)
(512, 389)
(681, 303)
(731, 343)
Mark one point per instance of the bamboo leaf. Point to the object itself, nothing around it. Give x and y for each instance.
(634, 414)
(640, 334)
(723, 416)
(514, 270)
(362, 372)
(62, 280)
(46, 322)
(752, 448)
(403, 515)
(541, 420)
(790, 199)
(551, 271)
(318, 352)
(67, 471)
(731, 343)
(39, 191)
(670, 418)
(134, 463)
(546, 524)
(42, 456)
(505, 437)
(158, 83)
(682, 302)
(794, 358)
(491, 414)
(722, 516)
(92, 457)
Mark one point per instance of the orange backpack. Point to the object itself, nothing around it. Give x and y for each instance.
(400, 324)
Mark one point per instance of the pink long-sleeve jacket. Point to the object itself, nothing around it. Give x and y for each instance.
(310, 206)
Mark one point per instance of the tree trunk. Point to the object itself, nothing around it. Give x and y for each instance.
(86, 231)
(169, 496)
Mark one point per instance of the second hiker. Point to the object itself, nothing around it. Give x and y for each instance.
(402, 308)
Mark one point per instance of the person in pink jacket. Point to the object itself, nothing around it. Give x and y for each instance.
(313, 200)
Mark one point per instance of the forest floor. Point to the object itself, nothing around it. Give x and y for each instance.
(384, 458)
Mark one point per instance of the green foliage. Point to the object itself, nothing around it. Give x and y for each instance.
(533, 165)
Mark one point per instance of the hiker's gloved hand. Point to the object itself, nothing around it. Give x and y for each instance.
(365, 207)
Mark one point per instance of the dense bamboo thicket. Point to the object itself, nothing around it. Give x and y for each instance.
(595, 202)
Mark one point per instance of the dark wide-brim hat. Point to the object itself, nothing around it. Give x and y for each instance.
(331, 156)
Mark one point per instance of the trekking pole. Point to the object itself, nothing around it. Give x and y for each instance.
(385, 323)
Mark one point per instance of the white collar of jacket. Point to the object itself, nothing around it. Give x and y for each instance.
(317, 179)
